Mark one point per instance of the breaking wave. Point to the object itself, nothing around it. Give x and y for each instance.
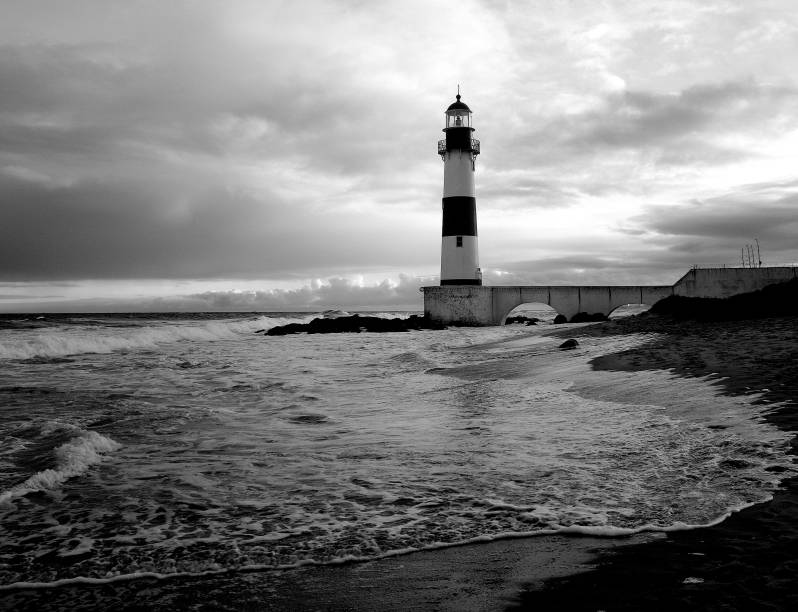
(60, 342)
(73, 458)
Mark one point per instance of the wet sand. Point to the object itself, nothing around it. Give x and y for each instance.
(479, 577)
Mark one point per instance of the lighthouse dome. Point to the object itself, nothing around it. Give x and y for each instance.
(458, 114)
(458, 105)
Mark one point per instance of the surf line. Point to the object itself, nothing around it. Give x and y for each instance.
(603, 532)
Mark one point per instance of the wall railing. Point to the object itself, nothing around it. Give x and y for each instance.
(723, 266)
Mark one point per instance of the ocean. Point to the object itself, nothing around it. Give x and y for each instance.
(177, 445)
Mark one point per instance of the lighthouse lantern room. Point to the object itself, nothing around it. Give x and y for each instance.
(459, 150)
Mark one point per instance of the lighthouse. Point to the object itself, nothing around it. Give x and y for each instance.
(459, 150)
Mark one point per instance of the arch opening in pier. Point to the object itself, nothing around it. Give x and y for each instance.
(628, 310)
(531, 310)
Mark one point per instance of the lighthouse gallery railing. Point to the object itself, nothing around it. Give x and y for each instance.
(474, 146)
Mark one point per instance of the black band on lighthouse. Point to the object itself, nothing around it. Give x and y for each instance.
(459, 216)
(458, 138)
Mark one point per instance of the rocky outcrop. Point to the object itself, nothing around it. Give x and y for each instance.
(355, 324)
(569, 344)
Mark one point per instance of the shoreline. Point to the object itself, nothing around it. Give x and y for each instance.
(561, 571)
(479, 576)
(748, 560)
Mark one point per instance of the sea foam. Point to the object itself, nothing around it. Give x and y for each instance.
(314, 450)
(73, 458)
(60, 342)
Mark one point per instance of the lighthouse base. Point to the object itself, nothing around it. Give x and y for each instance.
(462, 281)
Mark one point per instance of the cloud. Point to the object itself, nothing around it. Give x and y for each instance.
(636, 266)
(687, 127)
(639, 142)
(332, 293)
(318, 295)
(130, 230)
(282, 141)
(714, 230)
(288, 141)
(660, 243)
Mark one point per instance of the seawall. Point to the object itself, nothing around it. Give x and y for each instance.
(484, 305)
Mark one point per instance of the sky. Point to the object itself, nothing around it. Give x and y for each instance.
(268, 155)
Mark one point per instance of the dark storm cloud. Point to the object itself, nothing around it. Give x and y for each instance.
(683, 128)
(93, 230)
(64, 99)
(730, 218)
(714, 230)
(762, 209)
(634, 118)
(130, 230)
(559, 160)
(167, 159)
(174, 90)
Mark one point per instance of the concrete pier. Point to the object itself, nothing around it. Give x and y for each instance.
(481, 305)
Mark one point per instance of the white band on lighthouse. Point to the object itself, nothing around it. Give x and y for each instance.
(459, 249)
(458, 174)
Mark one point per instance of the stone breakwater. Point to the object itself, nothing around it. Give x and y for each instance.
(355, 324)
(358, 323)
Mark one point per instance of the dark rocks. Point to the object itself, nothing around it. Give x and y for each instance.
(355, 324)
(521, 319)
(569, 344)
(583, 317)
(309, 419)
